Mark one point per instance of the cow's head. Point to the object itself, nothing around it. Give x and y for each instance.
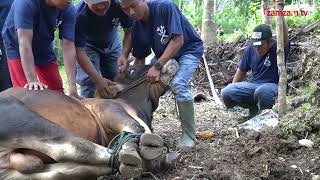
(132, 86)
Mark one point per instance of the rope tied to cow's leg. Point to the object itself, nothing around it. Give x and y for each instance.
(115, 146)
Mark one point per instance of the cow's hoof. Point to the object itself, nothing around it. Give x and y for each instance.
(170, 159)
(150, 153)
(130, 157)
(128, 171)
(152, 140)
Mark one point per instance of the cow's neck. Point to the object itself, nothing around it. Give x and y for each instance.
(144, 101)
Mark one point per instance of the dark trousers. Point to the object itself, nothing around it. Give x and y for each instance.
(105, 62)
(5, 81)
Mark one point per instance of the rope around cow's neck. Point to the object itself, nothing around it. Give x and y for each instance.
(115, 146)
(132, 85)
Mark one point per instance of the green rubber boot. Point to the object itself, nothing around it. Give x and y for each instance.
(186, 115)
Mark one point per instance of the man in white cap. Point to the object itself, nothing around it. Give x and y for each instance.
(260, 57)
(98, 44)
(159, 25)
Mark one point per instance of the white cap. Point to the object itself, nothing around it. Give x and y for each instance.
(96, 1)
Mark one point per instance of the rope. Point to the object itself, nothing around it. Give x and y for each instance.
(134, 84)
(115, 146)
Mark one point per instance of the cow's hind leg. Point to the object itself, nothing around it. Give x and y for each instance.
(61, 171)
(25, 163)
(25, 129)
(155, 156)
(130, 160)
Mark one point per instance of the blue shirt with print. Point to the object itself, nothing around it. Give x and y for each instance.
(100, 31)
(264, 68)
(43, 20)
(165, 20)
(5, 6)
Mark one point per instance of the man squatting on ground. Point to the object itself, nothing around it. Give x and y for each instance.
(260, 57)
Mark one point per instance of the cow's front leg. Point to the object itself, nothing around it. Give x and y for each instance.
(61, 171)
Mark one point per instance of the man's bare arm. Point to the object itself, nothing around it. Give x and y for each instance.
(69, 58)
(239, 76)
(172, 49)
(27, 59)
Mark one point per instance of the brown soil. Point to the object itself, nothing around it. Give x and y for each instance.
(252, 155)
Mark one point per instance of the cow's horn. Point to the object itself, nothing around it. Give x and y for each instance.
(168, 71)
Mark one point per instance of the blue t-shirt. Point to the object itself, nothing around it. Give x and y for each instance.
(100, 31)
(264, 68)
(38, 16)
(164, 21)
(5, 6)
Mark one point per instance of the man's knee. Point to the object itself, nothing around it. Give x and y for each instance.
(226, 92)
(265, 97)
(180, 89)
(228, 95)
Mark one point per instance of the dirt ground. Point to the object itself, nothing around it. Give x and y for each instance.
(250, 155)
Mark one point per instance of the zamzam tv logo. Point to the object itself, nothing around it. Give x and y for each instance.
(273, 12)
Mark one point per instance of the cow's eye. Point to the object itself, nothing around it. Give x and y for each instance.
(132, 72)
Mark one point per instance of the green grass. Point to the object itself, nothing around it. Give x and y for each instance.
(64, 77)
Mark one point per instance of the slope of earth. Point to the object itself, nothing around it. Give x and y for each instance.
(233, 154)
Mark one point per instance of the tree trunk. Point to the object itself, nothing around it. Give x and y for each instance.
(265, 7)
(215, 7)
(314, 4)
(281, 62)
(181, 5)
(208, 33)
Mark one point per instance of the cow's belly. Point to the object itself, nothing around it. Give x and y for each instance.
(67, 112)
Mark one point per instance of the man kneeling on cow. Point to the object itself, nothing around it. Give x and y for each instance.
(159, 24)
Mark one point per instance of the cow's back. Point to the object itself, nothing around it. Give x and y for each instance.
(65, 111)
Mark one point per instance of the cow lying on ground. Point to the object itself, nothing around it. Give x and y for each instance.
(48, 135)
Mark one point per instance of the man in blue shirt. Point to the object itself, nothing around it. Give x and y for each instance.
(261, 91)
(28, 36)
(98, 44)
(159, 25)
(5, 81)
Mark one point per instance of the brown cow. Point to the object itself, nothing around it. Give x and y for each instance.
(48, 135)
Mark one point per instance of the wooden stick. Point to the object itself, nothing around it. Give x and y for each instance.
(213, 91)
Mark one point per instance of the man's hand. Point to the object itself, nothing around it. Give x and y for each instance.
(73, 92)
(103, 87)
(153, 75)
(35, 86)
(122, 63)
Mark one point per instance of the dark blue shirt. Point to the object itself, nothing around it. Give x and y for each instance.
(5, 6)
(100, 31)
(165, 20)
(264, 68)
(38, 16)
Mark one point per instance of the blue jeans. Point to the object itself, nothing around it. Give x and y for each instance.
(179, 84)
(104, 62)
(5, 81)
(250, 95)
